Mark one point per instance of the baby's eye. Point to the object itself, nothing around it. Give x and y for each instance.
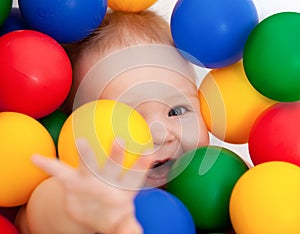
(178, 110)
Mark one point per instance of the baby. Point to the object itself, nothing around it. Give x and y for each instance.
(131, 59)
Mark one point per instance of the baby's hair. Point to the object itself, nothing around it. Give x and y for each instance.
(120, 30)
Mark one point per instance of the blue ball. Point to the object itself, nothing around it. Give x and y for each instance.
(212, 33)
(14, 22)
(160, 212)
(65, 21)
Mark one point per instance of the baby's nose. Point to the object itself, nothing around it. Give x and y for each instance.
(160, 132)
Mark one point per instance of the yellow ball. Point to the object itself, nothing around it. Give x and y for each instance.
(230, 104)
(266, 200)
(20, 137)
(100, 122)
(130, 5)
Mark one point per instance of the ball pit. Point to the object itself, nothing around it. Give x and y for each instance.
(160, 212)
(100, 122)
(36, 73)
(208, 175)
(271, 57)
(266, 199)
(65, 21)
(274, 75)
(230, 104)
(130, 5)
(20, 137)
(212, 33)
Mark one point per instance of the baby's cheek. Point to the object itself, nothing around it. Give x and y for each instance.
(194, 134)
(203, 134)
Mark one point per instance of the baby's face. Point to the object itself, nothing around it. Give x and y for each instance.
(169, 103)
(167, 100)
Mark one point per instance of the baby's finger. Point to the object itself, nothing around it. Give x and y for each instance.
(114, 172)
(53, 167)
(113, 165)
(144, 161)
(88, 162)
(134, 177)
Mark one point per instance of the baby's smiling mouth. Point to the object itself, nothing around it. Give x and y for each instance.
(159, 163)
(158, 173)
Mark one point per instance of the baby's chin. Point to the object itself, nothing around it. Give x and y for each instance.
(158, 174)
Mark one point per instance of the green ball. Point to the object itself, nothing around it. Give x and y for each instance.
(53, 123)
(5, 8)
(203, 180)
(272, 57)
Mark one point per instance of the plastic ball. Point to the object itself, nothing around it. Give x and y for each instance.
(229, 103)
(35, 72)
(53, 123)
(7, 226)
(13, 22)
(206, 177)
(160, 212)
(130, 5)
(20, 137)
(212, 33)
(5, 8)
(65, 21)
(100, 122)
(271, 57)
(275, 135)
(266, 199)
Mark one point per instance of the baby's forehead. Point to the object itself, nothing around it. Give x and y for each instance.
(156, 84)
(162, 65)
(152, 76)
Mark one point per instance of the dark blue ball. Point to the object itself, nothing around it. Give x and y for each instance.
(160, 212)
(212, 33)
(14, 22)
(65, 21)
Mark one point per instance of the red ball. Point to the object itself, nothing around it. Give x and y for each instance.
(275, 134)
(35, 73)
(7, 227)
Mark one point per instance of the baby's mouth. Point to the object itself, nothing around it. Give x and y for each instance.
(158, 173)
(159, 163)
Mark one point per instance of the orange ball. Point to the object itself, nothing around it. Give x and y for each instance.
(266, 199)
(230, 104)
(130, 5)
(20, 137)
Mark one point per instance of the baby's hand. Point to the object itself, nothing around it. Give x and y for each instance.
(99, 198)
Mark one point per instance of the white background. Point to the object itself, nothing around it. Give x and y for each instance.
(265, 8)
